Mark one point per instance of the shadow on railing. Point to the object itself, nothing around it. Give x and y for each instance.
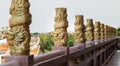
(96, 55)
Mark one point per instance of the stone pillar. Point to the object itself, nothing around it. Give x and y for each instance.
(107, 36)
(79, 38)
(79, 31)
(97, 32)
(109, 30)
(89, 34)
(18, 36)
(105, 32)
(102, 32)
(60, 35)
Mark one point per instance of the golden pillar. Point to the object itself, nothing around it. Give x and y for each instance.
(79, 29)
(89, 34)
(19, 35)
(60, 35)
(102, 32)
(97, 32)
(105, 32)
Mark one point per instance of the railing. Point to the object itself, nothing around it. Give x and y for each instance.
(96, 55)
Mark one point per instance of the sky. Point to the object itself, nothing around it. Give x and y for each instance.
(43, 12)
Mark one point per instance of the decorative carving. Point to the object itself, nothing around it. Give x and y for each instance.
(19, 35)
(60, 35)
(112, 31)
(102, 31)
(79, 29)
(105, 31)
(89, 30)
(97, 31)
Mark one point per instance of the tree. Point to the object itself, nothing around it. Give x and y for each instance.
(118, 31)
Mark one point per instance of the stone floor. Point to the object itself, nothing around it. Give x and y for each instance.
(115, 60)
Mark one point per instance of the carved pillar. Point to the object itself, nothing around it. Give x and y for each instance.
(79, 30)
(60, 35)
(79, 38)
(109, 30)
(102, 32)
(105, 32)
(113, 32)
(19, 35)
(97, 32)
(89, 33)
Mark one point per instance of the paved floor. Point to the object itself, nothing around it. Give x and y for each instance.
(115, 60)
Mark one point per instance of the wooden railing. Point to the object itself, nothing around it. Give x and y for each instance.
(96, 55)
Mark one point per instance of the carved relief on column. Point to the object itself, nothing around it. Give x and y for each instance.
(102, 32)
(105, 32)
(60, 35)
(113, 32)
(97, 32)
(110, 31)
(89, 32)
(19, 35)
(79, 29)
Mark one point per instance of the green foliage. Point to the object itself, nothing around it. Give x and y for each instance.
(49, 43)
(70, 40)
(118, 31)
(46, 41)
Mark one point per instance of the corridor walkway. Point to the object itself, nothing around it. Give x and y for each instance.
(115, 60)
